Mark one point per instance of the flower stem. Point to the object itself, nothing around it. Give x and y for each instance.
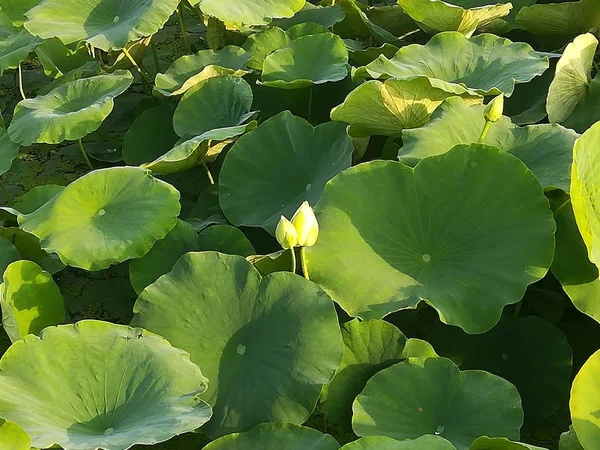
(139, 70)
(484, 132)
(10, 198)
(21, 91)
(210, 177)
(155, 55)
(293, 250)
(84, 154)
(303, 262)
(184, 35)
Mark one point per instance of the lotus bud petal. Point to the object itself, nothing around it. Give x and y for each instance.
(306, 225)
(495, 108)
(286, 233)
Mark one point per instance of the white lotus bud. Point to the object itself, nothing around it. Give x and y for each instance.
(286, 233)
(306, 225)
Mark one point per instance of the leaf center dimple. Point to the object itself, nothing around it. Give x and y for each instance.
(426, 257)
(116, 19)
(101, 212)
(241, 349)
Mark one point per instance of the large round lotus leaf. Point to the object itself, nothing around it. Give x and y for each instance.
(236, 13)
(225, 239)
(585, 398)
(284, 162)
(276, 436)
(99, 385)
(37, 197)
(189, 70)
(8, 253)
(104, 24)
(105, 217)
(431, 396)
(59, 59)
(572, 78)
(30, 300)
(562, 18)
(309, 60)
(578, 276)
(585, 190)
(415, 239)
(263, 43)
(569, 441)
(486, 63)
(427, 442)
(260, 340)
(8, 151)
(12, 437)
(368, 348)
(15, 48)
(388, 108)
(69, 112)
(163, 256)
(150, 136)
(16, 9)
(326, 16)
(530, 353)
(228, 99)
(587, 111)
(546, 149)
(500, 443)
(434, 16)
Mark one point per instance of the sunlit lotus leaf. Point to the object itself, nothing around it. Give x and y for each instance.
(263, 43)
(100, 385)
(486, 63)
(432, 396)
(15, 9)
(189, 70)
(569, 441)
(236, 13)
(87, 70)
(585, 398)
(326, 16)
(284, 162)
(561, 18)
(225, 239)
(15, 48)
(12, 437)
(429, 442)
(500, 443)
(59, 59)
(104, 24)
(69, 112)
(105, 217)
(386, 108)
(30, 300)
(224, 308)
(415, 239)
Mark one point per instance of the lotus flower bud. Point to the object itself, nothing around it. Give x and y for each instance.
(495, 108)
(286, 233)
(306, 225)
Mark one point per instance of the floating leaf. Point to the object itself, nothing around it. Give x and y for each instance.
(233, 347)
(415, 239)
(225, 239)
(30, 300)
(431, 396)
(487, 64)
(69, 112)
(104, 26)
(284, 162)
(105, 217)
(15, 48)
(585, 397)
(566, 18)
(100, 385)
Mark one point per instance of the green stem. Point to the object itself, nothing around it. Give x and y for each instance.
(310, 103)
(484, 132)
(293, 250)
(137, 67)
(561, 207)
(155, 55)
(303, 262)
(10, 198)
(184, 35)
(84, 154)
(21, 83)
(210, 177)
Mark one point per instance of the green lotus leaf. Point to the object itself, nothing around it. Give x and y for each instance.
(107, 25)
(309, 60)
(87, 70)
(16, 9)
(500, 443)
(285, 367)
(30, 300)
(207, 210)
(530, 353)
(276, 436)
(527, 105)
(8, 254)
(585, 186)
(163, 256)
(432, 396)
(585, 397)
(228, 99)
(237, 13)
(566, 18)
(100, 385)
(15, 48)
(416, 240)
(37, 197)
(58, 59)
(279, 261)
(284, 162)
(546, 149)
(12, 437)
(434, 16)
(386, 108)
(263, 43)
(189, 70)
(428, 442)
(569, 441)
(69, 112)
(578, 276)
(572, 78)
(305, 29)
(8, 151)
(225, 239)
(361, 55)
(105, 217)
(368, 348)
(487, 64)
(29, 248)
(326, 16)
(192, 152)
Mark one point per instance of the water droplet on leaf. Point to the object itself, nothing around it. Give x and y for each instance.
(241, 349)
